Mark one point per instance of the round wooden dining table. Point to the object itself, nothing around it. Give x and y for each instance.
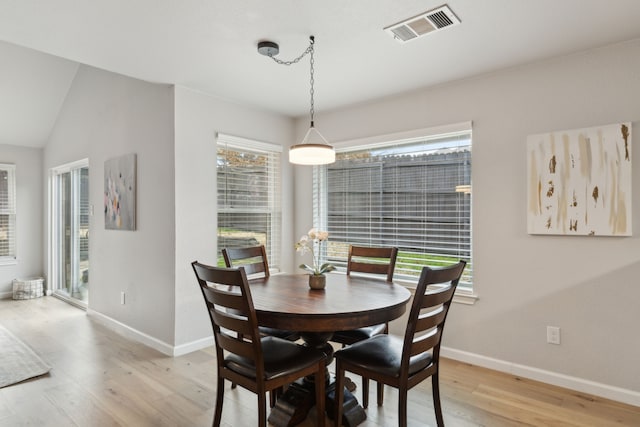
(285, 301)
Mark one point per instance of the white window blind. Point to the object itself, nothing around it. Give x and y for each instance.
(403, 194)
(7, 212)
(249, 211)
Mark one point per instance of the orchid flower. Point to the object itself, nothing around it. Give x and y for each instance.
(310, 242)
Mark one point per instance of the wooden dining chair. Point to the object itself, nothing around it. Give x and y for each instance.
(378, 261)
(254, 261)
(403, 364)
(245, 357)
(375, 261)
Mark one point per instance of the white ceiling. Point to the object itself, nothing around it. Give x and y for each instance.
(210, 46)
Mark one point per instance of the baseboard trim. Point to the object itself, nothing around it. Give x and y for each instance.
(6, 295)
(132, 333)
(148, 340)
(618, 394)
(193, 346)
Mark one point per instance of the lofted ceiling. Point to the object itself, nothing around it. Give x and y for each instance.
(210, 46)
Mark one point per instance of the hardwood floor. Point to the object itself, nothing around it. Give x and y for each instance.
(99, 378)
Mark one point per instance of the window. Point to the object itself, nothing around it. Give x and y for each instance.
(249, 212)
(412, 193)
(7, 213)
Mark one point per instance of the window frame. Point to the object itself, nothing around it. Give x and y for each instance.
(464, 294)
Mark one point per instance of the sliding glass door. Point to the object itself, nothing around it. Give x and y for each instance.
(70, 232)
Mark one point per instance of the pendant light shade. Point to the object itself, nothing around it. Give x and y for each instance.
(313, 150)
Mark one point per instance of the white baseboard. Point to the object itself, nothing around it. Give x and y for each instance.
(132, 333)
(148, 340)
(193, 346)
(618, 394)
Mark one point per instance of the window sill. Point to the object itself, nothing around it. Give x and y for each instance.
(8, 261)
(465, 297)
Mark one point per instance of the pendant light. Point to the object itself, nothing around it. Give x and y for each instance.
(314, 148)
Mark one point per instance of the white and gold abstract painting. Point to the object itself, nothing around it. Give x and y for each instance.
(579, 181)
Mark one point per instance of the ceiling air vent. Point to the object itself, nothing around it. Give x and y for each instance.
(418, 26)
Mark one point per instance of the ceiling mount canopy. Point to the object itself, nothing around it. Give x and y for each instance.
(314, 148)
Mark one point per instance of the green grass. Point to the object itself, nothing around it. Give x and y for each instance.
(411, 264)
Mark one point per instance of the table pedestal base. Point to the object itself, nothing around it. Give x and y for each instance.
(352, 413)
(293, 406)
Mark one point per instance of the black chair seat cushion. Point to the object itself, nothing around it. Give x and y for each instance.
(281, 357)
(382, 353)
(355, 335)
(280, 333)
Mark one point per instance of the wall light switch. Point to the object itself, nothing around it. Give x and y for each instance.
(553, 335)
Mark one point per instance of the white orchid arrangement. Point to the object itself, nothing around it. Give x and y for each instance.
(311, 242)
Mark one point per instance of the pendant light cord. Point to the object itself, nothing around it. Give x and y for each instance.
(308, 51)
(311, 80)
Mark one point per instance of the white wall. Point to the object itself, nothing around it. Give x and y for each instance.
(197, 119)
(106, 115)
(29, 235)
(586, 286)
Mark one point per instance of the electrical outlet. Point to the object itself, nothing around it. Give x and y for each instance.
(122, 297)
(553, 335)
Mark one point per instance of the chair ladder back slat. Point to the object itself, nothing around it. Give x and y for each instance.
(232, 322)
(237, 346)
(371, 268)
(253, 259)
(232, 301)
(437, 296)
(446, 274)
(363, 259)
(253, 268)
(368, 252)
(227, 276)
(421, 345)
(431, 320)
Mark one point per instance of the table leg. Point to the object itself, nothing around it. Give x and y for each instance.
(293, 406)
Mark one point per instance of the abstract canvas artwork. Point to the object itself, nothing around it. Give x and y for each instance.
(579, 181)
(120, 193)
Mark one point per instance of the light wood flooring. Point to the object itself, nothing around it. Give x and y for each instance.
(100, 378)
